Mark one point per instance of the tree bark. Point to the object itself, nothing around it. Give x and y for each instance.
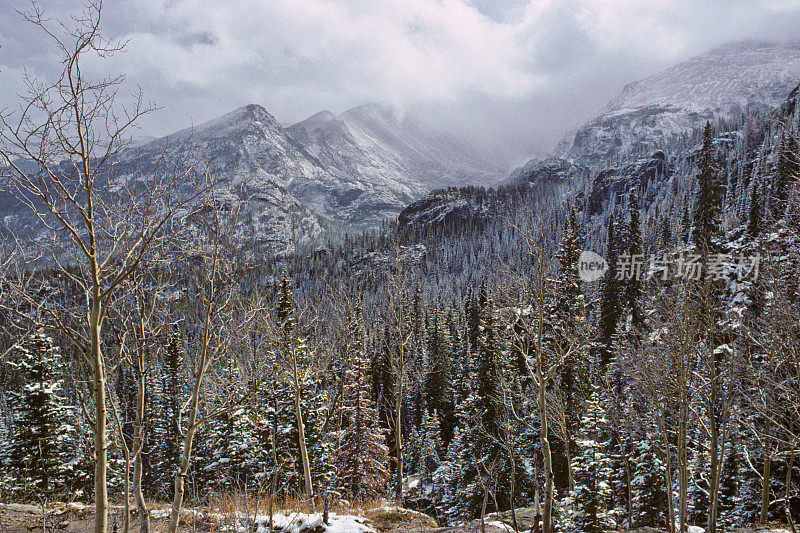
(398, 438)
(683, 475)
(670, 502)
(767, 470)
(536, 499)
(138, 445)
(715, 452)
(570, 473)
(188, 438)
(301, 434)
(713, 489)
(180, 478)
(100, 412)
(513, 494)
(141, 505)
(547, 526)
(788, 484)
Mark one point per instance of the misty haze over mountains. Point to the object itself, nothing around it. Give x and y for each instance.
(365, 165)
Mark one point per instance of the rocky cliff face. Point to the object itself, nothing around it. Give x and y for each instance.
(644, 174)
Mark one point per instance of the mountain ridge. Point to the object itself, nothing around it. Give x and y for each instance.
(624, 143)
(727, 80)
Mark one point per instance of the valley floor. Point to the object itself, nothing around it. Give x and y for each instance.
(78, 518)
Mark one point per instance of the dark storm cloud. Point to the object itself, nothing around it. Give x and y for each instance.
(513, 75)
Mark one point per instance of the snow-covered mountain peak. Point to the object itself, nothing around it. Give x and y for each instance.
(315, 121)
(723, 82)
(374, 113)
(728, 78)
(247, 117)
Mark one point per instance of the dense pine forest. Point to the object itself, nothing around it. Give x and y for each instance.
(455, 361)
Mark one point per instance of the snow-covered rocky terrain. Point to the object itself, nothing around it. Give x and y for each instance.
(353, 170)
(251, 158)
(385, 162)
(723, 82)
(623, 144)
(359, 168)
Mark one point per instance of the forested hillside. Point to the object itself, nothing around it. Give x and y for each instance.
(456, 361)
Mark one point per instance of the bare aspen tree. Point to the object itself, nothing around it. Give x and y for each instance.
(141, 323)
(714, 387)
(557, 414)
(59, 151)
(214, 308)
(665, 370)
(399, 321)
(544, 349)
(765, 401)
(775, 335)
(651, 373)
(292, 352)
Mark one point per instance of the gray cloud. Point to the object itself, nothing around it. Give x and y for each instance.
(512, 75)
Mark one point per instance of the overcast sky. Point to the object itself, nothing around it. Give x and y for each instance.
(513, 75)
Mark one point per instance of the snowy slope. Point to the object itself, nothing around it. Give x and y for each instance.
(726, 79)
(253, 159)
(393, 160)
(724, 82)
(355, 169)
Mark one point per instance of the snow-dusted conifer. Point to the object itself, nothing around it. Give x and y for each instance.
(648, 488)
(593, 495)
(39, 449)
(362, 455)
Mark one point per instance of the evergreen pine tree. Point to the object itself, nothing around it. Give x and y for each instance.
(362, 456)
(567, 318)
(698, 480)
(483, 422)
(648, 490)
(610, 306)
(236, 457)
(39, 448)
(787, 170)
(430, 446)
(707, 223)
(729, 503)
(166, 415)
(593, 494)
(754, 214)
(633, 247)
(295, 378)
(438, 380)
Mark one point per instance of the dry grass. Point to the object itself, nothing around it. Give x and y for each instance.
(248, 504)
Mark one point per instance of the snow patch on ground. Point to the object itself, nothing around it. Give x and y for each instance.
(301, 523)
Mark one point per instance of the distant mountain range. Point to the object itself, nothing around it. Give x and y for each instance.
(723, 83)
(385, 161)
(355, 169)
(348, 171)
(624, 142)
(363, 166)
